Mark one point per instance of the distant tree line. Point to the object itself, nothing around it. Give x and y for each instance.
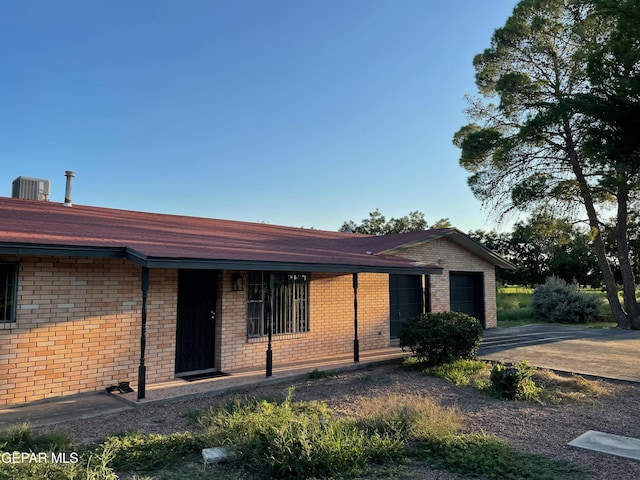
(544, 246)
(540, 247)
(377, 224)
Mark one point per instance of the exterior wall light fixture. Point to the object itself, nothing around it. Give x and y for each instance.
(237, 282)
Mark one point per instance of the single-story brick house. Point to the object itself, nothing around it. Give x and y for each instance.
(91, 297)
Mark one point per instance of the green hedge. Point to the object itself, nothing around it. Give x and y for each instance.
(438, 338)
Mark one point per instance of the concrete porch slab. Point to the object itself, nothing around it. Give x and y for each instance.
(178, 390)
(619, 445)
(49, 412)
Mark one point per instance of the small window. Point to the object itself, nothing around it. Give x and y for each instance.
(289, 302)
(8, 290)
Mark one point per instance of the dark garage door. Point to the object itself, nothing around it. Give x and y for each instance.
(405, 300)
(466, 291)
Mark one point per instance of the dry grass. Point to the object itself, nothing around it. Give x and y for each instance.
(558, 389)
(416, 416)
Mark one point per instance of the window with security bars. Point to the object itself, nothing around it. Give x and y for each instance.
(8, 276)
(288, 300)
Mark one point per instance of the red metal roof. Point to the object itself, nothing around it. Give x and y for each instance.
(170, 240)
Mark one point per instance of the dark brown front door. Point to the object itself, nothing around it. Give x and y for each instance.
(195, 332)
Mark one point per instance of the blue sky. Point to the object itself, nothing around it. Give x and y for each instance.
(293, 112)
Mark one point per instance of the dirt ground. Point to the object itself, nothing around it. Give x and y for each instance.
(528, 426)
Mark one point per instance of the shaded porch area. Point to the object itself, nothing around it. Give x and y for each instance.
(179, 389)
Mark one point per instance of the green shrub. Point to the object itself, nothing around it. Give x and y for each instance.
(296, 439)
(514, 382)
(560, 302)
(438, 338)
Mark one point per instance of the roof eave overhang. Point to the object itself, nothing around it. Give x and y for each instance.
(462, 240)
(62, 250)
(203, 263)
(281, 266)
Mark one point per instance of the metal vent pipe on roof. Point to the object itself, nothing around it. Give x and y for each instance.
(67, 192)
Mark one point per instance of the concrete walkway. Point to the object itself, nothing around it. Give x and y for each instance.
(62, 409)
(607, 353)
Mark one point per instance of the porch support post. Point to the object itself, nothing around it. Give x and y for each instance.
(269, 372)
(423, 294)
(142, 369)
(356, 343)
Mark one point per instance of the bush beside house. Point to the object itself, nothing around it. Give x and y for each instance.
(438, 338)
(560, 302)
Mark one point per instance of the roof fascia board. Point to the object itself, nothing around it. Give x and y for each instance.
(190, 263)
(61, 250)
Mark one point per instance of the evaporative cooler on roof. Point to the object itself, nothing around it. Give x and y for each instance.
(31, 188)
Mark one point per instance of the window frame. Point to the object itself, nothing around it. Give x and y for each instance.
(8, 292)
(289, 300)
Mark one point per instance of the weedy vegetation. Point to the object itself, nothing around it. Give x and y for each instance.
(461, 372)
(517, 382)
(296, 439)
(387, 435)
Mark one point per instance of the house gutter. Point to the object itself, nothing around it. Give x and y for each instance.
(61, 250)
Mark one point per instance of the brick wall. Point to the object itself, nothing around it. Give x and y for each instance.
(331, 318)
(78, 327)
(78, 321)
(455, 259)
